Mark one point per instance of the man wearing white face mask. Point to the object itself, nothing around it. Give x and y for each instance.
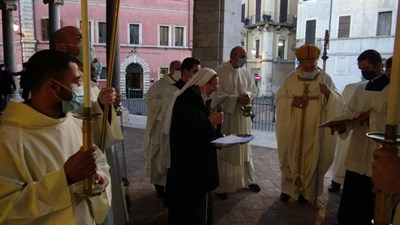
(237, 89)
(69, 40)
(152, 134)
(76, 102)
(96, 69)
(306, 98)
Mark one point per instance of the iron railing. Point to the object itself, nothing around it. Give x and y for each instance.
(263, 111)
(264, 114)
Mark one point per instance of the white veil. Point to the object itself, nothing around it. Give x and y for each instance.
(199, 79)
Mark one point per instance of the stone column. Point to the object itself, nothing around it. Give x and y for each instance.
(118, 213)
(54, 15)
(7, 9)
(216, 29)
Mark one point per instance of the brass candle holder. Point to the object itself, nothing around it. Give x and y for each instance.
(89, 186)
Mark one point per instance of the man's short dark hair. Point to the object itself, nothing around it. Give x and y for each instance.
(189, 62)
(44, 65)
(372, 55)
(388, 63)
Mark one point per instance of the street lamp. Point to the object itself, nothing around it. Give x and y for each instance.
(253, 51)
(16, 95)
(17, 31)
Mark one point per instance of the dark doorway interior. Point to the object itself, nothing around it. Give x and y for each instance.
(134, 81)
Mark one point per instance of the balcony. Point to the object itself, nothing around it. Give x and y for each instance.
(269, 18)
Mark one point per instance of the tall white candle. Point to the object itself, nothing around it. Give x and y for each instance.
(85, 53)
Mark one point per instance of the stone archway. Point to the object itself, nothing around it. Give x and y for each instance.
(146, 73)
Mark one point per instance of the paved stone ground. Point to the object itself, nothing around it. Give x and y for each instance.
(241, 208)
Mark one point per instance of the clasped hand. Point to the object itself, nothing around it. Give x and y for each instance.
(81, 165)
(107, 96)
(323, 88)
(216, 118)
(243, 99)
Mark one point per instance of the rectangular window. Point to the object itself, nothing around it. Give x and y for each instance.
(258, 10)
(310, 31)
(243, 12)
(283, 11)
(257, 48)
(45, 31)
(179, 35)
(134, 34)
(384, 23)
(102, 32)
(281, 49)
(90, 29)
(164, 36)
(344, 27)
(103, 75)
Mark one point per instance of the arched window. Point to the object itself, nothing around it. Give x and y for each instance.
(134, 81)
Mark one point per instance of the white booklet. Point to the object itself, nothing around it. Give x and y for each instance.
(233, 139)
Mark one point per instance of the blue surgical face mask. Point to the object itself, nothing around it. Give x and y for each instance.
(97, 68)
(91, 53)
(76, 102)
(310, 75)
(241, 62)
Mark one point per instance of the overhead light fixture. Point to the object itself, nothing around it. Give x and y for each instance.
(17, 31)
(15, 27)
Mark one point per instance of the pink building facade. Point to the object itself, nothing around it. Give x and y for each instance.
(151, 35)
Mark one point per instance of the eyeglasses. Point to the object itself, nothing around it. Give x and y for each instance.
(307, 67)
(214, 85)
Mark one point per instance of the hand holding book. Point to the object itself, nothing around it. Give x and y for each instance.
(340, 123)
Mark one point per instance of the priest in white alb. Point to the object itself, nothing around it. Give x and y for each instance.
(42, 162)
(154, 98)
(236, 90)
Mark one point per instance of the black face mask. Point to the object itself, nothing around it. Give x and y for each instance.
(368, 75)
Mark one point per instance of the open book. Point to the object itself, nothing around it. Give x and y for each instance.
(341, 119)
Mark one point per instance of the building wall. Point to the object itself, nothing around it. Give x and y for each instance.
(216, 30)
(149, 14)
(343, 52)
(270, 33)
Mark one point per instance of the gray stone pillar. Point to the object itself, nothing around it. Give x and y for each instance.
(216, 29)
(54, 15)
(7, 8)
(118, 213)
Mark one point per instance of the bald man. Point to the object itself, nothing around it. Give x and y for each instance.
(69, 40)
(154, 99)
(236, 89)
